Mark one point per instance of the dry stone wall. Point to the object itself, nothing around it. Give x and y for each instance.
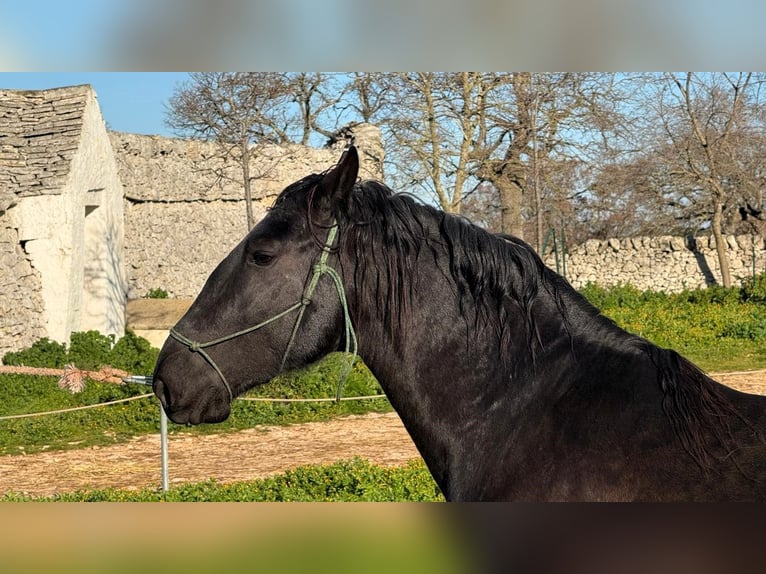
(669, 264)
(175, 246)
(184, 206)
(21, 322)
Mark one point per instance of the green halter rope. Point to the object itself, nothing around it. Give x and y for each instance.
(321, 268)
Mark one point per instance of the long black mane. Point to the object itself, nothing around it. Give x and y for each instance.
(500, 282)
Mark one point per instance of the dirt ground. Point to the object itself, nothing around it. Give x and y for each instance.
(245, 455)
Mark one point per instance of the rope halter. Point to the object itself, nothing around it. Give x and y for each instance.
(320, 269)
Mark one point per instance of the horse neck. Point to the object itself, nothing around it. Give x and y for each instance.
(439, 369)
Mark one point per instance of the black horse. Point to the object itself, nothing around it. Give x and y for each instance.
(512, 386)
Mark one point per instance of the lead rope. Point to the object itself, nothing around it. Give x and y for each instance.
(320, 269)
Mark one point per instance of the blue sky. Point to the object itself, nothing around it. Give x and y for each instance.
(130, 101)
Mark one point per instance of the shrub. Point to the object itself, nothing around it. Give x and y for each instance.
(134, 354)
(754, 289)
(620, 296)
(42, 353)
(157, 294)
(89, 350)
(714, 294)
(752, 326)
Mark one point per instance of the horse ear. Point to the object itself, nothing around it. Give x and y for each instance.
(337, 184)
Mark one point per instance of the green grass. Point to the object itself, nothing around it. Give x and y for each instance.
(353, 480)
(718, 329)
(20, 394)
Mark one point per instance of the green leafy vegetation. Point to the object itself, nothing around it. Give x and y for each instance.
(353, 480)
(157, 294)
(754, 290)
(43, 353)
(719, 329)
(89, 350)
(23, 394)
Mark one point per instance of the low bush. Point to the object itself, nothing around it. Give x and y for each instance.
(717, 328)
(157, 294)
(90, 350)
(346, 481)
(42, 353)
(754, 290)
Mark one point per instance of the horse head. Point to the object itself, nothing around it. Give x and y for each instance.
(275, 302)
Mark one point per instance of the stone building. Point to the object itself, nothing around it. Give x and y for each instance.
(61, 218)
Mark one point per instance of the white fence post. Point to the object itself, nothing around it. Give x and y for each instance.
(164, 448)
(147, 380)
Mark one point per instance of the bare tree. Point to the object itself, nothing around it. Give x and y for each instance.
(535, 122)
(368, 96)
(449, 132)
(235, 110)
(432, 122)
(704, 117)
(315, 94)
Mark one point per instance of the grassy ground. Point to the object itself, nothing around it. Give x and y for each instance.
(346, 481)
(718, 329)
(117, 423)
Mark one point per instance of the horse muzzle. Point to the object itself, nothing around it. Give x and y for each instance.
(189, 391)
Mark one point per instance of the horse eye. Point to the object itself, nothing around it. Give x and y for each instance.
(261, 259)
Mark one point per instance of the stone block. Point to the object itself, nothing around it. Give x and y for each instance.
(677, 244)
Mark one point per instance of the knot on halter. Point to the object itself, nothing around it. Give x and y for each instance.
(320, 268)
(194, 346)
(305, 301)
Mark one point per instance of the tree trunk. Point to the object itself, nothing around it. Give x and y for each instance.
(507, 177)
(538, 200)
(720, 243)
(245, 158)
(511, 194)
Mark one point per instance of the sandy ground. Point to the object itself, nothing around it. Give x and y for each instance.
(244, 455)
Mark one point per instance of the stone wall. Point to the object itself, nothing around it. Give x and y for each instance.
(21, 321)
(669, 264)
(175, 246)
(184, 207)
